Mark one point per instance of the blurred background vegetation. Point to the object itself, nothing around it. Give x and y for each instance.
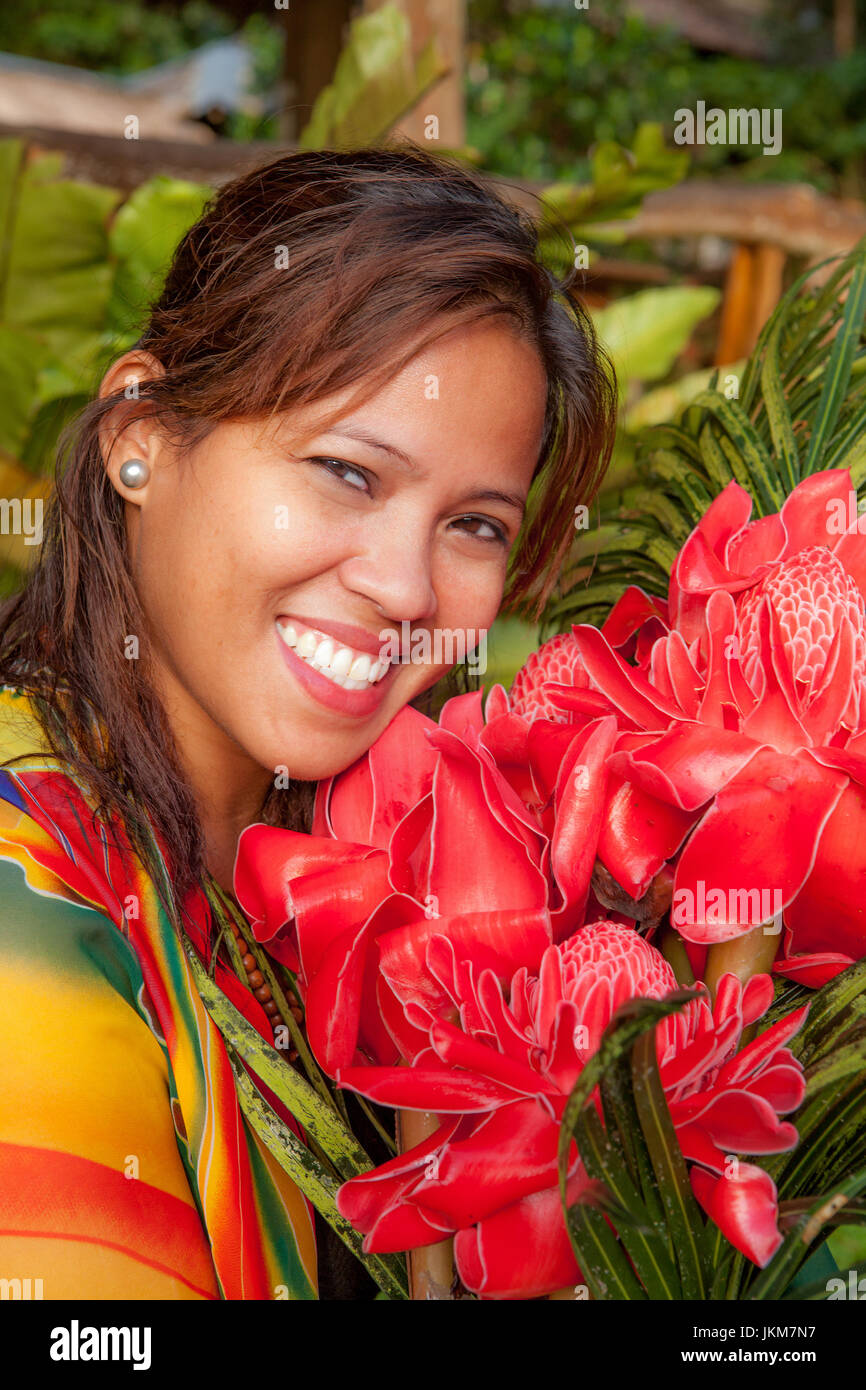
(540, 89)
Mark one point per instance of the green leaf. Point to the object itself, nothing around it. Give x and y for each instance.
(602, 1262)
(778, 414)
(57, 276)
(838, 372)
(314, 1181)
(143, 238)
(668, 401)
(644, 1241)
(298, 1096)
(375, 82)
(597, 1252)
(766, 486)
(684, 1218)
(645, 332)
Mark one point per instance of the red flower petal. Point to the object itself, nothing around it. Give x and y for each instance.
(761, 833)
(522, 1251)
(744, 1207)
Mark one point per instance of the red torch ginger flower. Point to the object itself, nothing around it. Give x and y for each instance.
(427, 833)
(499, 1071)
(746, 721)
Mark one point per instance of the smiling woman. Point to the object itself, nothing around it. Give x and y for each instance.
(360, 405)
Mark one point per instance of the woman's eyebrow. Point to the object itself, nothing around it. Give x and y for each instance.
(492, 494)
(347, 430)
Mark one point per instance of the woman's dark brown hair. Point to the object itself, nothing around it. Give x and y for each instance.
(311, 273)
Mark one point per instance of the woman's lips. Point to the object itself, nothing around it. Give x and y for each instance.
(324, 690)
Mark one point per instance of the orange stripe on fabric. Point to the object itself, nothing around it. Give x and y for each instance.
(45, 1192)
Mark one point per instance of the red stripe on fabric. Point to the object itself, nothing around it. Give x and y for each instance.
(79, 1195)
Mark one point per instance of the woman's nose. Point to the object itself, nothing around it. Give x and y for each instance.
(394, 571)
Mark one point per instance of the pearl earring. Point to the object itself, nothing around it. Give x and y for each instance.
(134, 473)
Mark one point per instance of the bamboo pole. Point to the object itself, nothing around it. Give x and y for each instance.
(431, 1268)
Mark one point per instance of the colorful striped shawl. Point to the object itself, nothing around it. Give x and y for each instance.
(126, 1167)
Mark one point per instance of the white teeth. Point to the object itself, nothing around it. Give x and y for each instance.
(306, 644)
(360, 668)
(323, 654)
(338, 666)
(349, 669)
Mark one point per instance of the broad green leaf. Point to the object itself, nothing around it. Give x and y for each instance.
(57, 274)
(375, 82)
(21, 357)
(645, 332)
(143, 237)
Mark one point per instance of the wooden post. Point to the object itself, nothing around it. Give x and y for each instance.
(753, 287)
(315, 34)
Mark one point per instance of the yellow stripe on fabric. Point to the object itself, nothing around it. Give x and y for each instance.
(81, 1071)
(72, 1269)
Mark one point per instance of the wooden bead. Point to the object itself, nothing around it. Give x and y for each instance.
(249, 962)
(263, 994)
(256, 978)
(271, 1007)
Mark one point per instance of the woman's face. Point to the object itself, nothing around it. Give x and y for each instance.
(274, 549)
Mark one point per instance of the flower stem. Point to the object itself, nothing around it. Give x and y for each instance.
(431, 1268)
(751, 954)
(674, 952)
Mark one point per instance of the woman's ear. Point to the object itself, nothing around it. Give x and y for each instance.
(124, 433)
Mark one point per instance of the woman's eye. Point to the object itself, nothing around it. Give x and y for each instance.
(494, 533)
(338, 469)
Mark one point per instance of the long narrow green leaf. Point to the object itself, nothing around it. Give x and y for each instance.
(778, 414)
(837, 376)
(308, 1174)
(684, 1217)
(833, 1002)
(630, 1022)
(791, 310)
(645, 1244)
(742, 434)
(602, 1262)
(307, 1106)
(714, 459)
